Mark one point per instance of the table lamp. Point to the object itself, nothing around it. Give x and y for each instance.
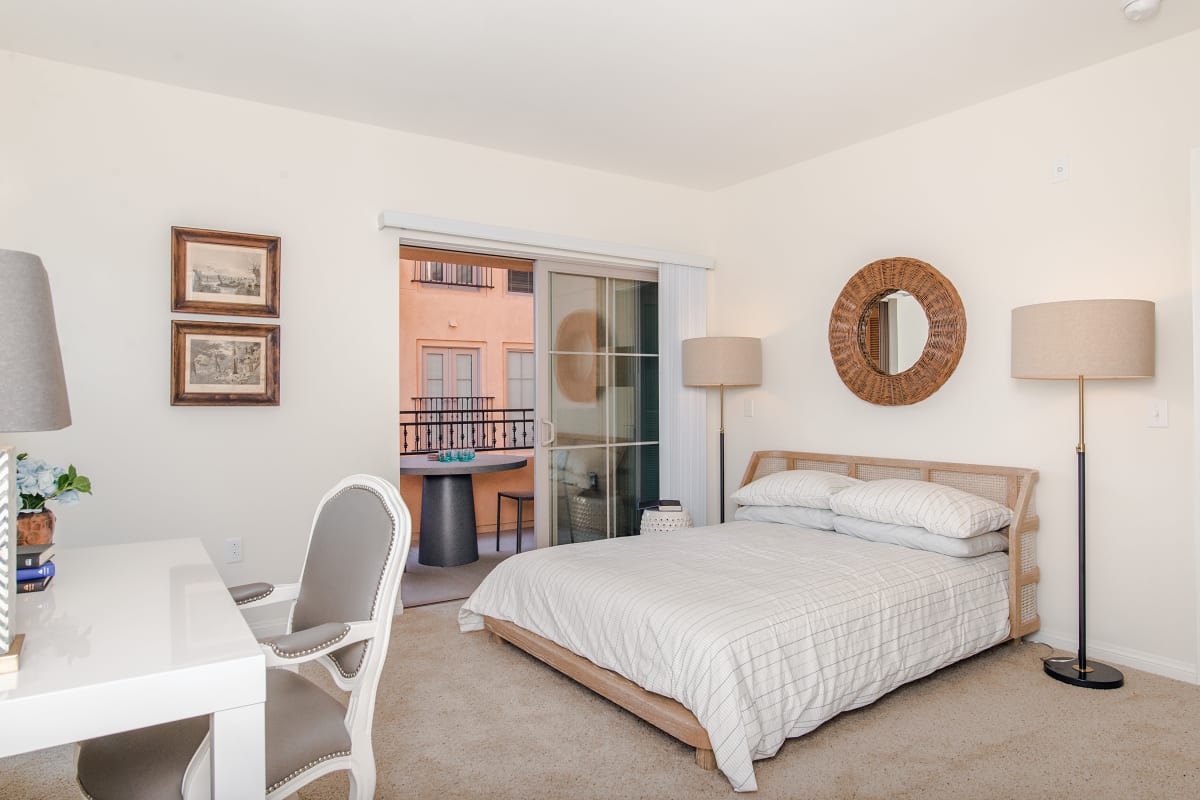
(722, 361)
(1083, 340)
(33, 397)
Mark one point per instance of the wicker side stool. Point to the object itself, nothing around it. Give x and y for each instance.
(655, 521)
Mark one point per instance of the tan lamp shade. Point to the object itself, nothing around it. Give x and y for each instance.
(722, 361)
(33, 390)
(1093, 339)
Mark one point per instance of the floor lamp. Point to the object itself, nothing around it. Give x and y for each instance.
(722, 361)
(1083, 340)
(33, 397)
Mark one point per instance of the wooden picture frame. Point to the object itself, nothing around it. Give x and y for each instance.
(219, 272)
(224, 364)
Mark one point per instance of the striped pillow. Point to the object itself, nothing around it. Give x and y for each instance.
(796, 487)
(941, 509)
(817, 519)
(921, 539)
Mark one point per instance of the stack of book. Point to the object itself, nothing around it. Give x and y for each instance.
(35, 570)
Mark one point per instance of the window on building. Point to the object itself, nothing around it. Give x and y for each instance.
(520, 282)
(520, 379)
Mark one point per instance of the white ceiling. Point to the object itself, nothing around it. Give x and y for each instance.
(699, 93)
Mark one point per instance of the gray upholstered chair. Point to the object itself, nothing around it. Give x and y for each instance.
(341, 617)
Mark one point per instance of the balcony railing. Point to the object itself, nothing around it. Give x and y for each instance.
(456, 423)
(452, 274)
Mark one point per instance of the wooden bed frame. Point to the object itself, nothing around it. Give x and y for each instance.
(1012, 486)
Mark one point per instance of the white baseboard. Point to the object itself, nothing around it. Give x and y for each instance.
(1123, 656)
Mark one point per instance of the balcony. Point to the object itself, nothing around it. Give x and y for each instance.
(437, 272)
(456, 423)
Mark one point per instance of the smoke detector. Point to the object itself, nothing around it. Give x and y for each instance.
(1137, 10)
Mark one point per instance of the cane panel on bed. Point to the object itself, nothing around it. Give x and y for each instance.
(1012, 486)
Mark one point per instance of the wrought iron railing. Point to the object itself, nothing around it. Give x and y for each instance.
(452, 274)
(446, 425)
(471, 403)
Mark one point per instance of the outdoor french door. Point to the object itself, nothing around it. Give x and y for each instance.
(449, 372)
(597, 449)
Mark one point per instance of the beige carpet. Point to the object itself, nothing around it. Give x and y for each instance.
(424, 585)
(462, 717)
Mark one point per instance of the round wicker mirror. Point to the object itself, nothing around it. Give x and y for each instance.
(858, 331)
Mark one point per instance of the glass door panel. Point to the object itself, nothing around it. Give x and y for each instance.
(634, 312)
(577, 399)
(600, 403)
(576, 313)
(464, 374)
(579, 485)
(635, 480)
(633, 399)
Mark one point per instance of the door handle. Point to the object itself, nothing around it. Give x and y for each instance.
(548, 426)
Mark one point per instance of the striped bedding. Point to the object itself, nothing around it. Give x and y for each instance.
(763, 631)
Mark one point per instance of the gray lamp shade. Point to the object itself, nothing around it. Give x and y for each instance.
(722, 361)
(1095, 339)
(33, 390)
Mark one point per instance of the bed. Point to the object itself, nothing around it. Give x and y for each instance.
(735, 637)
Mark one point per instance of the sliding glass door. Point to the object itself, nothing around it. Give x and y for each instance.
(597, 454)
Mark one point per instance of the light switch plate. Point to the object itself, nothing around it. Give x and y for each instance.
(1159, 414)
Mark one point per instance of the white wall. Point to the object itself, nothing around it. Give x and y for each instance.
(95, 169)
(971, 194)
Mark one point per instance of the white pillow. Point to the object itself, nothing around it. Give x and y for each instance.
(819, 519)
(921, 539)
(796, 487)
(940, 509)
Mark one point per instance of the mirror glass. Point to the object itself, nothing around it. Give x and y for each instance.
(892, 332)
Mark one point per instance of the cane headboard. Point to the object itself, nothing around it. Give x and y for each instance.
(1013, 486)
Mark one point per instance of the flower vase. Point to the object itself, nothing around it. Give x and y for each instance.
(35, 527)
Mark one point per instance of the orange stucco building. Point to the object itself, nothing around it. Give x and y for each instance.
(466, 337)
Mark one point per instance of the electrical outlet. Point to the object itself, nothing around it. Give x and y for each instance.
(1060, 170)
(233, 550)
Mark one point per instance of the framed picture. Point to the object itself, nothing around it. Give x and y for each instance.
(224, 364)
(217, 272)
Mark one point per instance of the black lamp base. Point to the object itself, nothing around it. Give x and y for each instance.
(1099, 676)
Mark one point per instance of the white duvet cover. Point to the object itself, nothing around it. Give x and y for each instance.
(763, 631)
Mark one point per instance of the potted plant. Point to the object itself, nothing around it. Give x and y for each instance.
(38, 483)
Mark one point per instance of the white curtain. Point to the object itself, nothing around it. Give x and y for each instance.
(682, 421)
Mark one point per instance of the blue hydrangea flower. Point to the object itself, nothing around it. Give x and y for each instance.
(38, 482)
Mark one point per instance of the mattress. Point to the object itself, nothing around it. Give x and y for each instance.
(763, 631)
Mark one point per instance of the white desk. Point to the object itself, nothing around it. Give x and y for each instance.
(132, 635)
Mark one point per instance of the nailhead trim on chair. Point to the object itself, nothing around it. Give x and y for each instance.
(246, 600)
(313, 649)
(337, 664)
(305, 768)
(378, 585)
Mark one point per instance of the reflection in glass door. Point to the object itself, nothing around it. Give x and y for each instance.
(600, 403)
